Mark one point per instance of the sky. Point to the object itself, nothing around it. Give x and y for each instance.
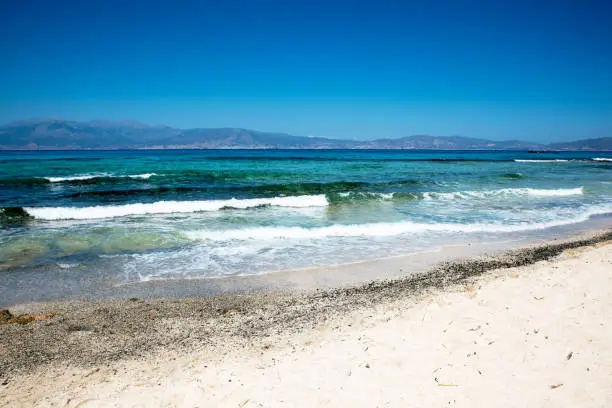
(499, 69)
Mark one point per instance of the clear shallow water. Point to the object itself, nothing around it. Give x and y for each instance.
(123, 216)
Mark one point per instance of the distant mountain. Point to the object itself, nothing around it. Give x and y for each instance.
(57, 133)
(602, 143)
(62, 134)
(53, 133)
(226, 138)
(448, 143)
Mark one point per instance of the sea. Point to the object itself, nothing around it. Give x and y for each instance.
(85, 219)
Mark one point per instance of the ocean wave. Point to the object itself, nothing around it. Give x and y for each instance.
(324, 188)
(602, 159)
(144, 176)
(75, 178)
(171, 207)
(338, 197)
(560, 192)
(359, 195)
(135, 193)
(257, 190)
(296, 201)
(504, 192)
(541, 160)
(457, 195)
(382, 229)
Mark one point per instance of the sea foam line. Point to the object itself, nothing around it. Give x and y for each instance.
(602, 159)
(144, 176)
(364, 194)
(171, 207)
(541, 160)
(505, 192)
(382, 229)
(73, 178)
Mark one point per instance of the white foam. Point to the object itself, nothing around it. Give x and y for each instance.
(386, 196)
(554, 192)
(383, 229)
(505, 192)
(381, 196)
(171, 207)
(541, 160)
(71, 178)
(603, 159)
(144, 176)
(484, 194)
(67, 266)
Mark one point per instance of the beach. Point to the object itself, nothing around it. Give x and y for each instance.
(528, 327)
(294, 204)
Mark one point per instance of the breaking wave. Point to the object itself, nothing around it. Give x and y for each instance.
(459, 195)
(505, 192)
(170, 207)
(541, 160)
(296, 201)
(144, 176)
(382, 229)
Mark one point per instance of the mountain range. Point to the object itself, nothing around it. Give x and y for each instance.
(53, 134)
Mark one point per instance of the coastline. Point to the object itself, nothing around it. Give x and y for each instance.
(263, 311)
(106, 352)
(35, 289)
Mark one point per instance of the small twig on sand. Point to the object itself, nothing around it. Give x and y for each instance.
(95, 370)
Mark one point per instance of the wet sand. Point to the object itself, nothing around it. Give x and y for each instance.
(526, 327)
(22, 286)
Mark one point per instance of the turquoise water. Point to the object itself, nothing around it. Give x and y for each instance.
(125, 216)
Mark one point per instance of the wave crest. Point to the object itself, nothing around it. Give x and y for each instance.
(458, 195)
(541, 160)
(144, 176)
(170, 207)
(382, 229)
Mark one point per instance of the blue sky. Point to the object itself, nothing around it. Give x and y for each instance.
(535, 70)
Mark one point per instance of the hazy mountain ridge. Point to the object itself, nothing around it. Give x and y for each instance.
(602, 143)
(448, 143)
(64, 134)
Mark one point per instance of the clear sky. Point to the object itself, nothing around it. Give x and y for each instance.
(534, 70)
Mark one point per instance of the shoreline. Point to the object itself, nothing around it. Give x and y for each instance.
(462, 335)
(309, 278)
(86, 333)
(528, 328)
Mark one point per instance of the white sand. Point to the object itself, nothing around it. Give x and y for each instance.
(506, 341)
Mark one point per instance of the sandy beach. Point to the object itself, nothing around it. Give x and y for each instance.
(302, 204)
(528, 328)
